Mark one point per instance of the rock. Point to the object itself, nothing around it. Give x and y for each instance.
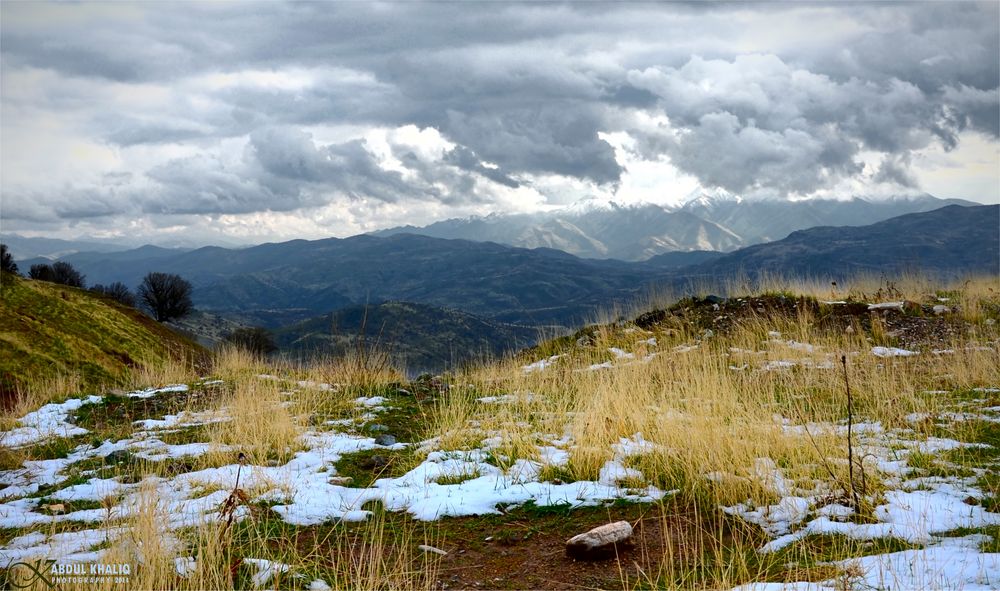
(385, 439)
(431, 550)
(341, 480)
(118, 457)
(375, 462)
(941, 309)
(601, 542)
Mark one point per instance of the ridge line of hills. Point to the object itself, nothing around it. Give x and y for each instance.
(500, 290)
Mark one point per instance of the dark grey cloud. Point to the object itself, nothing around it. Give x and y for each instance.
(466, 159)
(758, 97)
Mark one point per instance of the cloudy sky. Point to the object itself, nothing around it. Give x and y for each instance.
(251, 122)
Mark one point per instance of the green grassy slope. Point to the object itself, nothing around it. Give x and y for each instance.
(48, 329)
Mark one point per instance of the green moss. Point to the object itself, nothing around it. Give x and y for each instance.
(367, 466)
(54, 448)
(447, 479)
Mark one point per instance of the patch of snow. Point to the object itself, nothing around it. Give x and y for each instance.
(264, 570)
(150, 392)
(887, 306)
(621, 354)
(185, 566)
(892, 352)
(372, 401)
(48, 421)
(541, 364)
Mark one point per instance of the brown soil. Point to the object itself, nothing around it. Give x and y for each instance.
(525, 548)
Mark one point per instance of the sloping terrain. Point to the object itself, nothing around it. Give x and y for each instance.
(48, 330)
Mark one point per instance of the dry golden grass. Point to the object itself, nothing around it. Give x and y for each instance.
(701, 412)
(259, 426)
(37, 393)
(380, 554)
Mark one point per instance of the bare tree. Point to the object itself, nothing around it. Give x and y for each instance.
(58, 272)
(165, 295)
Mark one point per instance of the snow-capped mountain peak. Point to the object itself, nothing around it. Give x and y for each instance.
(710, 197)
(589, 205)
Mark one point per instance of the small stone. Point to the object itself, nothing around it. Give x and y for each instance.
(56, 508)
(341, 480)
(375, 462)
(117, 457)
(601, 542)
(431, 550)
(385, 439)
(941, 309)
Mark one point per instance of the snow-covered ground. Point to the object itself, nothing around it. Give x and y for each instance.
(919, 510)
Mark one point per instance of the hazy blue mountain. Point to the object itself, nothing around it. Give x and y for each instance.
(952, 240)
(529, 286)
(769, 220)
(23, 247)
(282, 283)
(721, 222)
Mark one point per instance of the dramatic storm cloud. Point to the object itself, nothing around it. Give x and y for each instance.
(245, 122)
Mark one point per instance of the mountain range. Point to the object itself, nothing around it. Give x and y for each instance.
(952, 240)
(463, 288)
(712, 222)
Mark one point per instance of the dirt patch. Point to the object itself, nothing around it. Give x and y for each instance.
(528, 551)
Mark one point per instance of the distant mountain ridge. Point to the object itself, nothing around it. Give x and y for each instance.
(279, 284)
(719, 222)
(300, 279)
(952, 240)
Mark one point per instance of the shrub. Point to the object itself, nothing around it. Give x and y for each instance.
(117, 291)
(254, 339)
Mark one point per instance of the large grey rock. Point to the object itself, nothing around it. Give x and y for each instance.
(601, 542)
(385, 439)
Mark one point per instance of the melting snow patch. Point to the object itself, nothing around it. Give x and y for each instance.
(540, 365)
(620, 354)
(48, 421)
(371, 402)
(150, 392)
(892, 352)
(887, 306)
(265, 570)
